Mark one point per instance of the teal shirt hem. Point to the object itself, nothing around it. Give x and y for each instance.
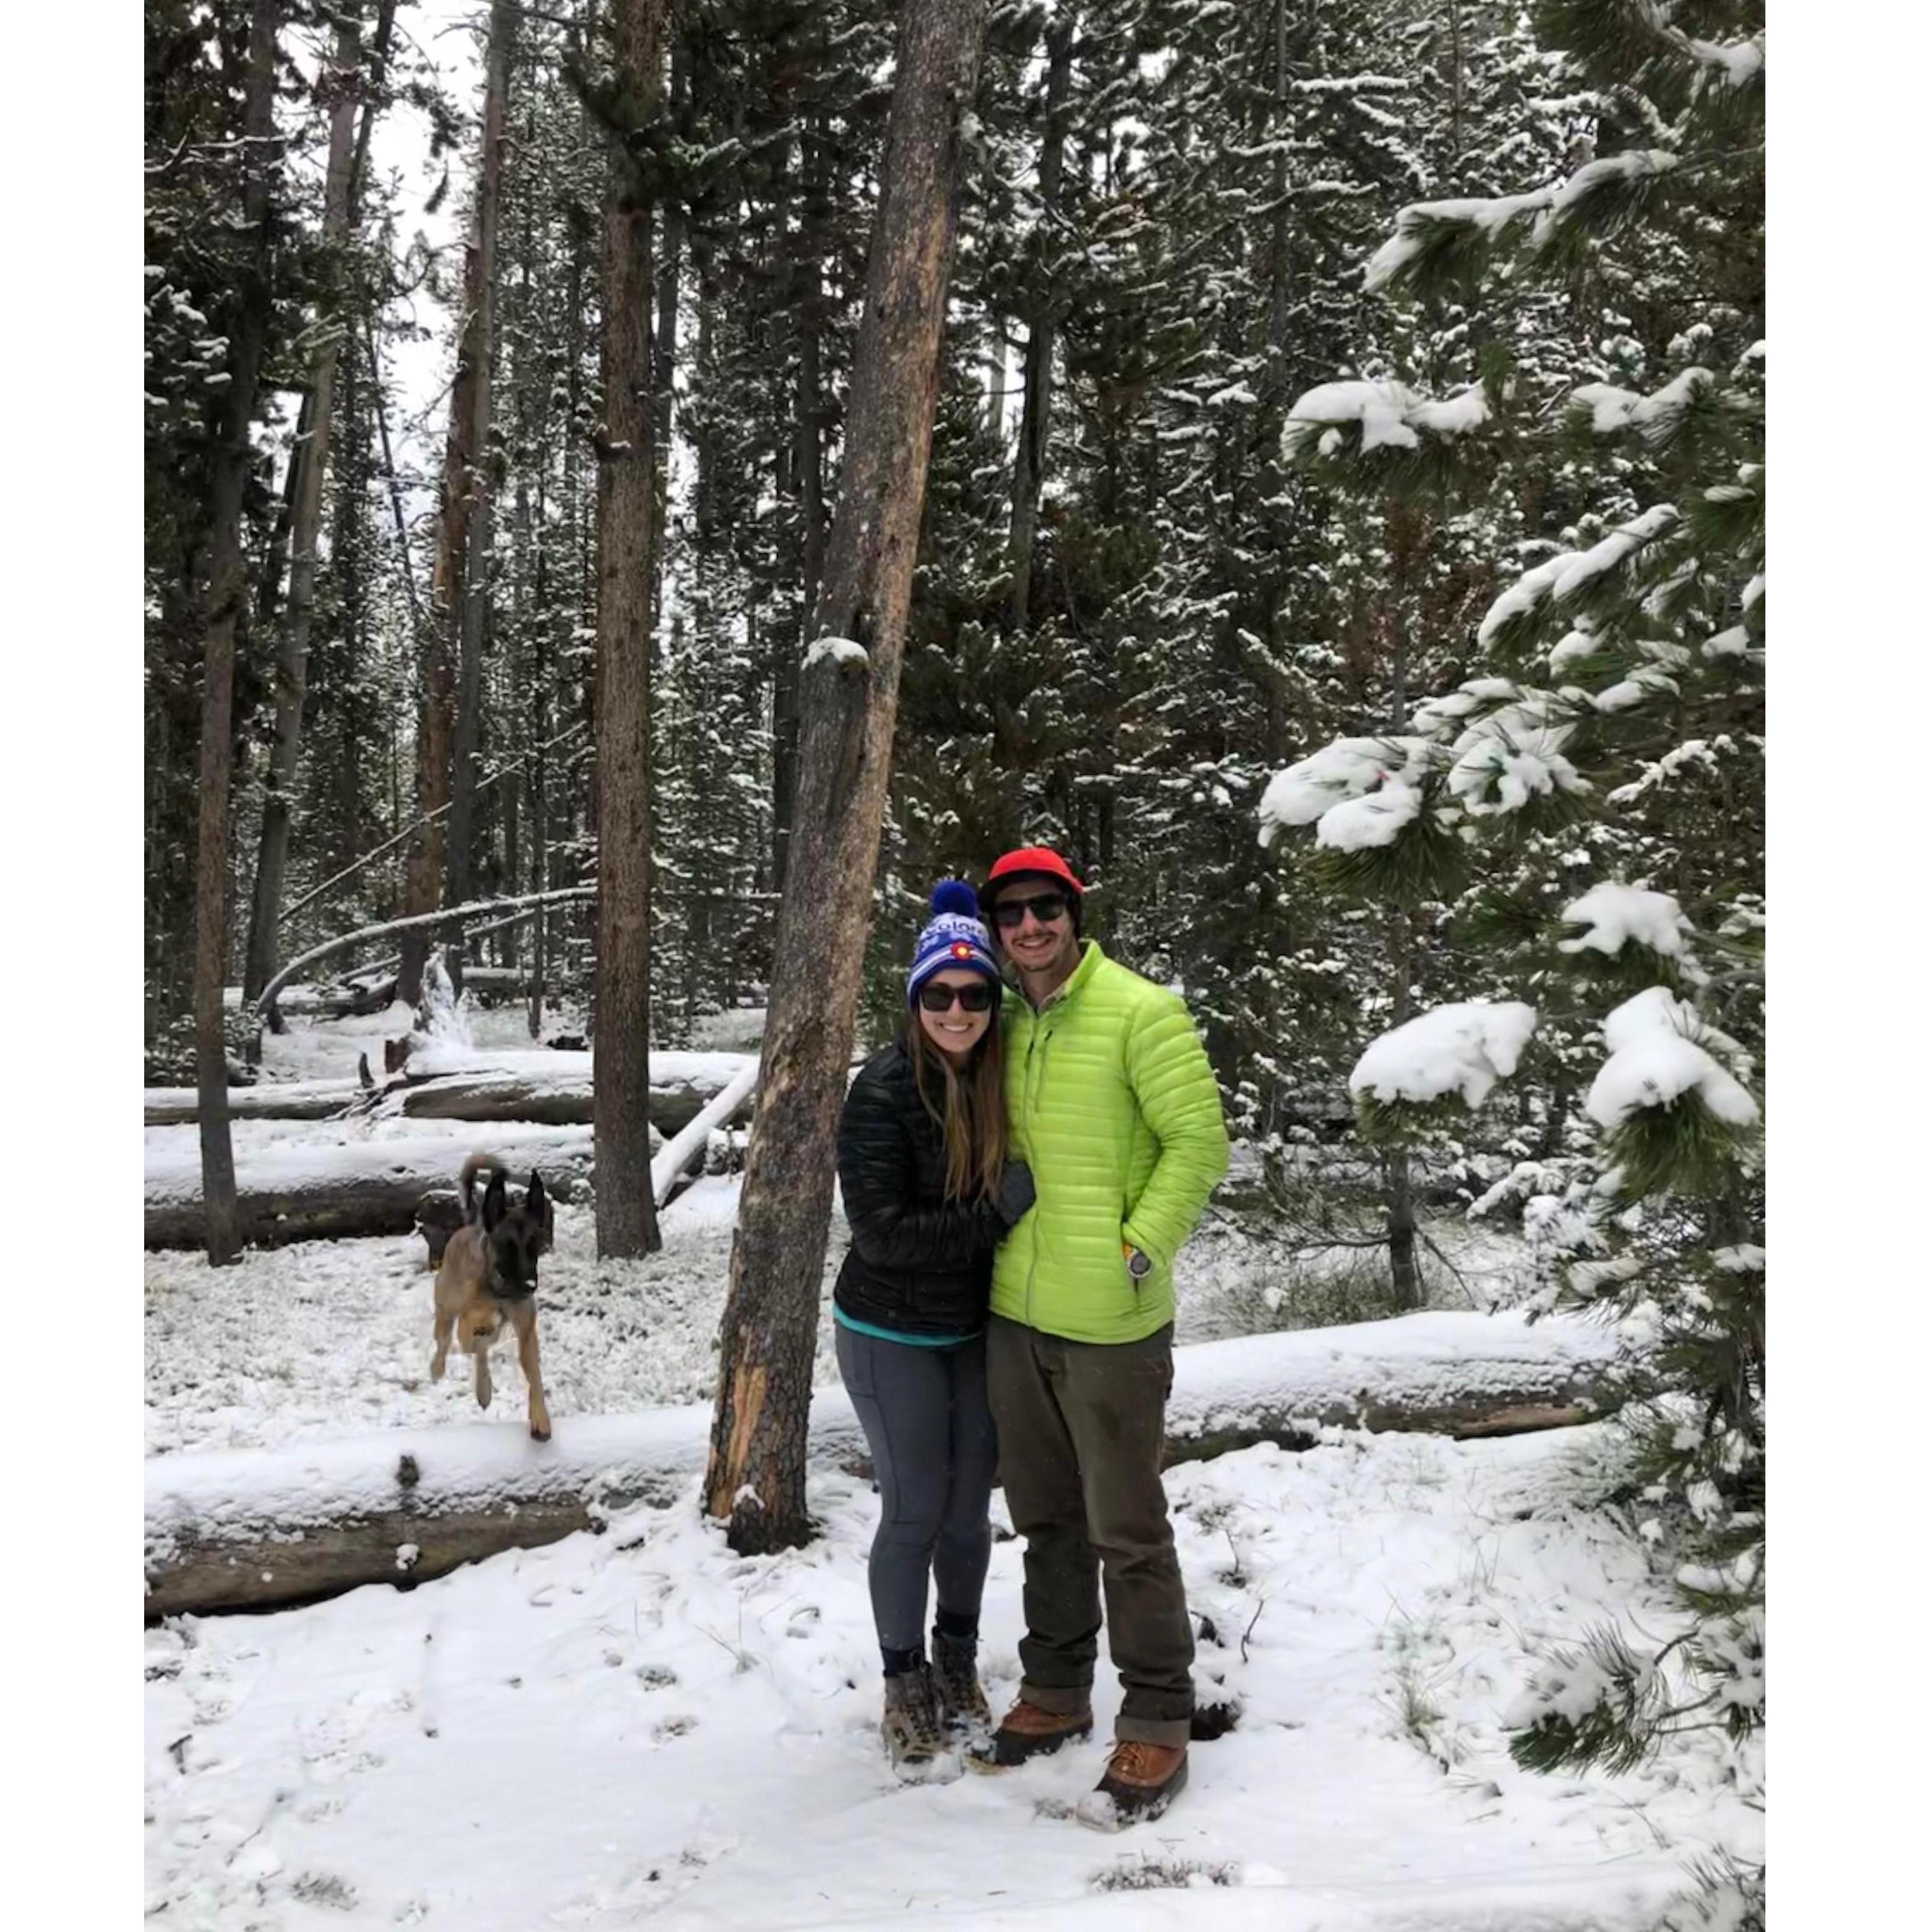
(845, 1321)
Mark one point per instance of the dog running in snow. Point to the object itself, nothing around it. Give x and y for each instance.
(488, 1280)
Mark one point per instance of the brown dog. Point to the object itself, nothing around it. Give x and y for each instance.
(488, 1278)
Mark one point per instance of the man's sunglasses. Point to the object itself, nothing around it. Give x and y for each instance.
(1047, 907)
(938, 999)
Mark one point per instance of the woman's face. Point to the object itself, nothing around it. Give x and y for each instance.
(953, 1030)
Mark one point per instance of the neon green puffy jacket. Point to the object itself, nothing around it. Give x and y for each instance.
(1111, 1100)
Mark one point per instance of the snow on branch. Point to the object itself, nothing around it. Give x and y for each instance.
(1656, 1059)
(1390, 413)
(1615, 913)
(1655, 417)
(1351, 769)
(1436, 228)
(1559, 579)
(1464, 1048)
(1440, 241)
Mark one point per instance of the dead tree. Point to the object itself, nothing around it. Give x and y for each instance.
(848, 697)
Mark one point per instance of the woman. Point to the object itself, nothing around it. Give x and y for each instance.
(929, 1193)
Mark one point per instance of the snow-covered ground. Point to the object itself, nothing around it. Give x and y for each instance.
(326, 1338)
(639, 1725)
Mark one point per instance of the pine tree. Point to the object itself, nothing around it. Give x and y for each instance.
(1587, 799)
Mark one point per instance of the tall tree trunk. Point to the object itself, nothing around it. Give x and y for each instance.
(311, 463)
(663, 352)
(1398, 1186)
(847, 703)
(1030, 460)
(227, 584)
(809, 471)
(627, 1223)
(436, 721)
(473, 626)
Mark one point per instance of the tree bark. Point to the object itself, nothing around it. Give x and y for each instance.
(310, 462)
(808, 479)
(473, 624)
(227, 586)
(627, 1221)
(848, 700)
(1030, 459)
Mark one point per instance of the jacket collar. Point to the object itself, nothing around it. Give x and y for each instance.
(1091, 960)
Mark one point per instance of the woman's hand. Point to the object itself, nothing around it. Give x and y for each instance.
(1016, 1194)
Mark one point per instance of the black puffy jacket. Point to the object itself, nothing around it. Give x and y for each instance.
(919, 1263)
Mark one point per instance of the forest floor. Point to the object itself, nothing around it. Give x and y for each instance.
(640, 1725)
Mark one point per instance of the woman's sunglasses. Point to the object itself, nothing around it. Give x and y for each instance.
(937, 999)
(1047, 907)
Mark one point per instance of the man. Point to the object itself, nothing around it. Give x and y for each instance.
(1111, 1100)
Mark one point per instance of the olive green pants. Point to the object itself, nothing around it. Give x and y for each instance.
(1080, 1428)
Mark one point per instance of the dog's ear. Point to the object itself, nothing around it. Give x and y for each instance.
(536, 1203)
(496, 1201)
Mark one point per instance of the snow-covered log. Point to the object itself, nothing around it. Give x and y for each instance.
(671, 1160)
(233, 1529)
(272, 1100)
(290, 1192)
(550, 1088)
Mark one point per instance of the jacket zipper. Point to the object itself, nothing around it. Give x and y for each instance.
(1041, 1037)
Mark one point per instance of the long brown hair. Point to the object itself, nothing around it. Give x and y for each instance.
(968, 1105)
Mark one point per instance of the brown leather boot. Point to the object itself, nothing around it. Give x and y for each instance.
(1141, 1782)
(1028, 1731)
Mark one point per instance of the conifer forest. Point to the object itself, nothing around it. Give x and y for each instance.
(637, 491)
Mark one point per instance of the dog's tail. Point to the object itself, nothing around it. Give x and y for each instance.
(477, 1163)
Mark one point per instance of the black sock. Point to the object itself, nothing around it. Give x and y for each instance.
(960, 1628)
(899, 1662)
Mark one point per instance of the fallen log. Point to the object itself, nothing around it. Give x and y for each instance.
(247, 1529)
(551, 1089)
(297, 1193)
(693, 1139)
(554, 1087)
(275, 1100)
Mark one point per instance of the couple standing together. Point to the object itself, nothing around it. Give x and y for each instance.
(1018, 1173)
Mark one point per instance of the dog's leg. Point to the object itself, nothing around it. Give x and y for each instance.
(484, 1391)
(446, 1325)
(526, 1319)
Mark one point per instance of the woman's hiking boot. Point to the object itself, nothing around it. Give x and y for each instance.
(1027, 1731)
(1140, 1782)
(963, 1709)
(919, 1748)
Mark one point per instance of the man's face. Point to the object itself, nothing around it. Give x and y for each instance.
(1034, 923)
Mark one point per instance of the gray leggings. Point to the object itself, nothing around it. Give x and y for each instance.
(926, 1420)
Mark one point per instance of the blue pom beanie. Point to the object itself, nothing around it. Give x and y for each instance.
(954, 937)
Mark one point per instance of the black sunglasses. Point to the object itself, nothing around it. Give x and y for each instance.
(1047, 907)
(936, 998)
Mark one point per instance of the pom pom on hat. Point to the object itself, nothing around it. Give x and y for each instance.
(956, 895)
(955, 937)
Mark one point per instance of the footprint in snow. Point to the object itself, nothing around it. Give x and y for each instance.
(668, 1728)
